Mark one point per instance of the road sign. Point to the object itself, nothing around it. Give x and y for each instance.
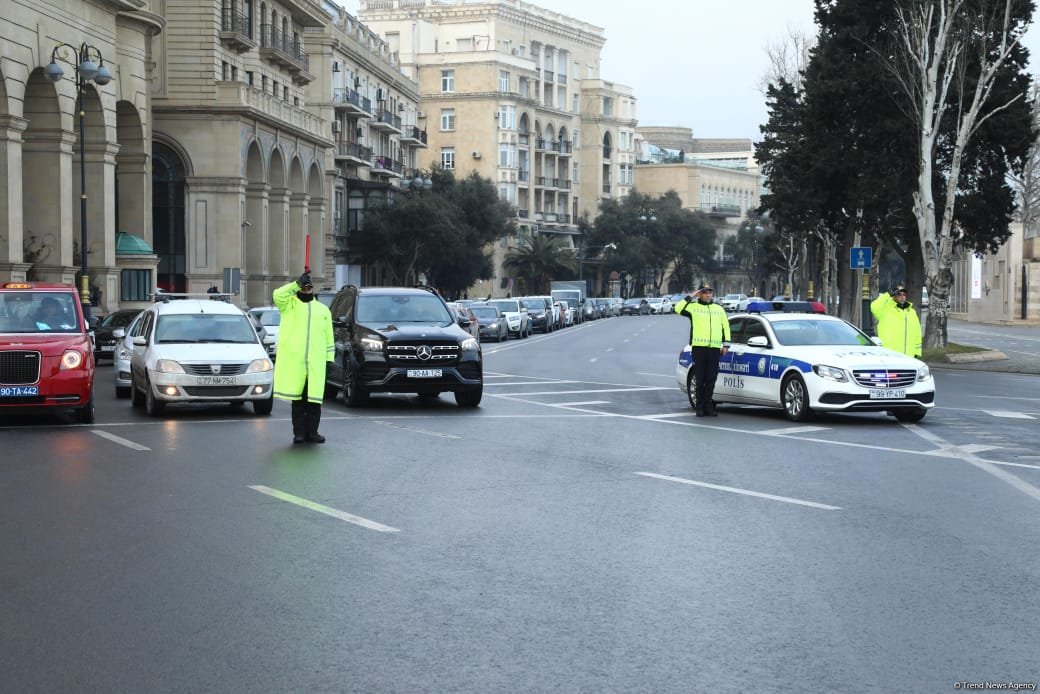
(861, 257)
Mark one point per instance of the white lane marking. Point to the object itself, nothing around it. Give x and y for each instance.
(417, 431)
(529, 383)
(644, 373)
(121, 441)
(954, 450)
(585, 402)
(785, 431)
(321, 508)
(1007, 414)
(745, 492)
(1007, 397)
(972, 459)
(593, 390)
(669, 415)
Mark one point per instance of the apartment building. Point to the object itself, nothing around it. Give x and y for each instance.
(378, 130)
(50, 155)
(512, 91)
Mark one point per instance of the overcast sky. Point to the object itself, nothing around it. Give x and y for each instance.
(699, 63)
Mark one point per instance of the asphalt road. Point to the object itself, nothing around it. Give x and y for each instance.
(580, 531)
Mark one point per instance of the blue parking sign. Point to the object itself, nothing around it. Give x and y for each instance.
(861, 257)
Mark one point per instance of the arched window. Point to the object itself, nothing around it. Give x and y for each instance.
(168, 233)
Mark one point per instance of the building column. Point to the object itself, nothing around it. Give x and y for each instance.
(278, 234)
(135, 194)
(298, 230)
(11, 265)
(322, 263)
(254, 228)
(214, 229)
(48, 192)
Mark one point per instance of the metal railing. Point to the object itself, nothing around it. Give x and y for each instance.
(273, 39)
(390, 119)
(353, 149)
(349, 96)
(236, 23)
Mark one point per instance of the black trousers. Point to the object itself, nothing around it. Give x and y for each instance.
(305, 416)
(705, 373)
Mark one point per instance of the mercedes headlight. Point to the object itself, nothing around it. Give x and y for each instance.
(371, 344)
(924, 373)
(470, 343)
(830, 373)
(259, 365)
(168, 366)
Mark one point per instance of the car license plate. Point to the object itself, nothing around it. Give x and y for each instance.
(215, 380)
(887, 393)
(107, 348)
(425, 373)
(18, 391)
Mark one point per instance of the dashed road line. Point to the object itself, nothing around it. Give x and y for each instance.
(787, 431)
(1007, 414)
(321, 508)
(745, 492)
(120, 440)
(427, 432)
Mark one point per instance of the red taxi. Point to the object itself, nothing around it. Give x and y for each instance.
(46, 351)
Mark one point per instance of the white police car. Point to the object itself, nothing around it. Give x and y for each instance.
(807, 363)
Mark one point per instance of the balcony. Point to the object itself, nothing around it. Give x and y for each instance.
(606, 189)
(539, 144)
(413, 135)
(239, 97)
(524, 139)
(386, 166)
(548, 75)
(561, 78)
(236, 32)
(354, 153)
(523, 177)
(562, 147)
(284, 51)
(522, 213)
(350, 101)
(563, 183)
(541, 181)
(386, 122)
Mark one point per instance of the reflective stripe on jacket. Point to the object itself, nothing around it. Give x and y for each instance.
(709, 326)
(898, 328)
(305, 344)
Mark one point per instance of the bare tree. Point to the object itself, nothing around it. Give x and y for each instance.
(1027, 185)
(787, 58)
(935, 43)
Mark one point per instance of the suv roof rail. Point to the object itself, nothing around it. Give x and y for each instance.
(431, 290)
(165, 297)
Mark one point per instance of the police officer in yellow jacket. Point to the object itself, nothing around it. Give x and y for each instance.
(897, 323)
(709, 339)
(305, 345)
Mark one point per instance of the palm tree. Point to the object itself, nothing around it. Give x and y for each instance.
(538, 261)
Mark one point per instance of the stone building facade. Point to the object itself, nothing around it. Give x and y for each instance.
(42, 136)
(512, 91)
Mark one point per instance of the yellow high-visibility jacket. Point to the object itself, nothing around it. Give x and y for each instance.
(898, 327)
(709, 326)
(305, 344)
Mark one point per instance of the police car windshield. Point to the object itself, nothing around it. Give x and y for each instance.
(818, 332)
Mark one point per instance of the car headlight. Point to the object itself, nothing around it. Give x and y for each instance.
(168, 366)
(470, 343)
(371, 344)
(259, 365)
(924, 373)
(830, 373)
(71, 359)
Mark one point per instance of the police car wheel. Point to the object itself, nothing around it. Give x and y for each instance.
(691, 389)
(795, 399)
(910, 415)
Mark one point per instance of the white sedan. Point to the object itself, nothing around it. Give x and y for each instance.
(807, 363)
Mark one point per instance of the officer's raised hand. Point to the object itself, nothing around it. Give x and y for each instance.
(305, 280)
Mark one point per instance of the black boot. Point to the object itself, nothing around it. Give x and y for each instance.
(299, 421)
(313, 418)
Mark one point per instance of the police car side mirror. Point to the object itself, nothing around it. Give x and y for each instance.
(119, 333)
(140, 341)
(758, 341)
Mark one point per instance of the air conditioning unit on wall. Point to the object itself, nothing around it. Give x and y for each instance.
(335, 127)
(476, 154)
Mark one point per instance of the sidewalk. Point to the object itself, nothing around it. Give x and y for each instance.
(1020, 344)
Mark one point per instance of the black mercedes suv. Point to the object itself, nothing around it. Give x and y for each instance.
(401, 340)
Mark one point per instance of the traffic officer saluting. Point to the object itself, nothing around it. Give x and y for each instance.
(305, 344)
(709, 339)
(897, 323)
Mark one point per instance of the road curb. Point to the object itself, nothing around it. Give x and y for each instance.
(974, 357)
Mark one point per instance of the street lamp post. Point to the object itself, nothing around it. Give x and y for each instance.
(581, 256)
(86, 71)
(421, 181)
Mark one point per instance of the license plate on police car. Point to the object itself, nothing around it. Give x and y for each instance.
(425, 373)
(215, 380)
(887, 393)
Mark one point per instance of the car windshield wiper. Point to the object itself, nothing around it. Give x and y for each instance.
(221, 339)
(176, 342)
